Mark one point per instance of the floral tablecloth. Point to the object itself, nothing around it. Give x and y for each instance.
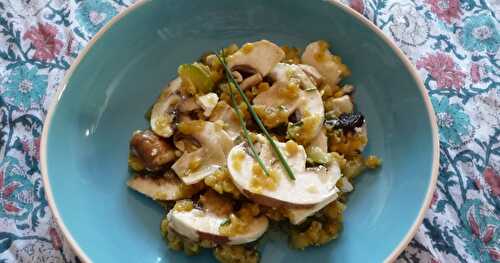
(454, 45)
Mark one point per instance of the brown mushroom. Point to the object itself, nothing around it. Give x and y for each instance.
(153, 151)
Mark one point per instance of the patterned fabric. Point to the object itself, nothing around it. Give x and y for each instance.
(454, 45)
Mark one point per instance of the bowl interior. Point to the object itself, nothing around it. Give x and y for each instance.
(122, 74)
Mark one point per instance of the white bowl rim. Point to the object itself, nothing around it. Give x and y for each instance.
(62, 86)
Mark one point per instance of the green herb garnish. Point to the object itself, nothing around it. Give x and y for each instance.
(278, 153)
(242, 122)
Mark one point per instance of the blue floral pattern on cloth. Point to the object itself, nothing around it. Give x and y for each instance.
(480, 33)
(454, 45)
(453, 123)
(93, 14)
(24, 87)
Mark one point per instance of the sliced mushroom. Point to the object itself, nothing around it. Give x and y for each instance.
(320, 141)
(310, 187)
(242, 71)
(312, 112)
(184, 117)
(224, 112)
(337, 106)
(283, 72)
(207, 103)
(311, 116)
(188, 104)
(261, 56)
(153, 151)
(317, 55)
(237, 76)
(164, 188)
(185, 143)
(317, 149)
(273, 107)
(164, 110)
(345, 186)
(192, 167)
(299, 215)
(292, 89)
(215, 145)
(198, 224)
(312, 73)
(362, 132)
(251, 81)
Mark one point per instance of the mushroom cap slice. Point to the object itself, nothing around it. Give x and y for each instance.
(317, 149)
(363, 131)
(262, 56)
(312, 73)
(317, 55)
(215, 145)
(214, 138)
(274, 99)
(164, 188)
(224, 112)
(340, 105)
(345, 185)
(312, 115)
(187, 105)
(205, 168)
(298, 215)
(164, 110)
(283, 72)
(306, 100)
(310, 187)
(185, 143)
(320, 141)
(273, 108)
(198, 224)
(207, 102)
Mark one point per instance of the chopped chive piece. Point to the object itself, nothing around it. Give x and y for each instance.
(244, 126)
(278, 153)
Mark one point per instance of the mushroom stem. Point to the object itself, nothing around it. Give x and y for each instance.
(251, 81)
(237, 76)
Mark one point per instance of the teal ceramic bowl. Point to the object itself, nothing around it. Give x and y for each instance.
(120, 73)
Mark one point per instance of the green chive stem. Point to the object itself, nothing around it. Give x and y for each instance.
(244, 127)
(278, 153)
